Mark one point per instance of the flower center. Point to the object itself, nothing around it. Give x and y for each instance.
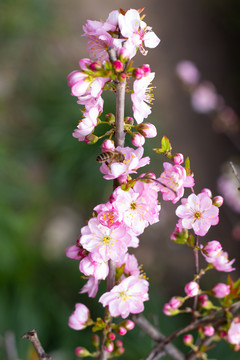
(133, 206)
(123, 295)
(106, 240)
(197, 215)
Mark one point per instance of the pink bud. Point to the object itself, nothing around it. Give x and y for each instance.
(129, 324)
(120, 351)
(95, 66)
(167, 309)
(110, 118)
(212, 249)
(107, 145)
(147, 129)
(137, 139)
(122, 77)
(81, 352)
(128, 120)
(123, 54)
(217, 201)
(203, 299)
(146, 69)
(175, 303)
(139, 73)
(188, 339)
(118, 343)
(207, 191)
(178, 159)
(111, 336)
(191, 289)
(95, 340)
(223, 334)
(109, 347)
(121, 330)
(91, 139)
(118, 66)
(221, 290)
(208, 330)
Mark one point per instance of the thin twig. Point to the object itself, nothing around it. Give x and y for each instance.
(32, 336)
(234, 171)
(196, 259)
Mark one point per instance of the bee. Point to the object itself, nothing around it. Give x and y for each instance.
(109, 157)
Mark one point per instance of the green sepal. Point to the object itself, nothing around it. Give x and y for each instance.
(128, 185)
(166, 147)
(119, 271)
(99, 325)
(191, 240)
(187, 166)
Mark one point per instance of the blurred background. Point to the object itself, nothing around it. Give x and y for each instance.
(49, 182)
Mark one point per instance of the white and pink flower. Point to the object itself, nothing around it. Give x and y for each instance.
(79, 317)
(233, 335)
(198, 213)
(221, 290)
(133, 161)
(127, 297)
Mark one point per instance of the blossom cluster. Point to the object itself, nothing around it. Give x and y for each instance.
(116, 225)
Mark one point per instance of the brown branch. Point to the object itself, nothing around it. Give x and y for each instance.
(32, 336)
(119, 140)
(156, 335)
(203, 321)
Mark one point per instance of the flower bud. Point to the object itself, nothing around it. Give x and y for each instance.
(221, 290)
(212, 249)
(122, 179)
(118, 66)
(81, 352)
(95, 66)
(91, 139)
(123, 54)
(207, 191)
(208, 330)
(147, 129)
(108, 346)
(217, 201)
(138, 73)
(119, 351)
(95, 340)
(118, 343)
(122, 77)
(137, 139)
(175, 302)
(188, 339)
(111, 336)
(128, 324)
(108, 145)
(128, 120)
(146, 68)
(178, 159)
(192, 289)
(110, 118)
(121, 330)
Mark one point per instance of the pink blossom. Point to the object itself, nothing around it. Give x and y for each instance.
(86, 125)
(147, 129)
(221, 290)
(110, 243)
(91, 287)
(142, 94)
(178, 159)
(167, 309)
(130, 265)
(107, 215)
(208, 330)
(79, 317)
(133, 161)
(233, 335)
(207, 191)
(136, 31)
(198, 213)
(127, 297)
(211, 250)
(203, 300)
(175, 302)
(192, 289)
(187, 72)
(75, 252)
(221, 262)
(137, 139)
(204, 98)
(175, 179)
(137, 208)
(139, 73)
(188, 339)
(93, 265)
(107, 145)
